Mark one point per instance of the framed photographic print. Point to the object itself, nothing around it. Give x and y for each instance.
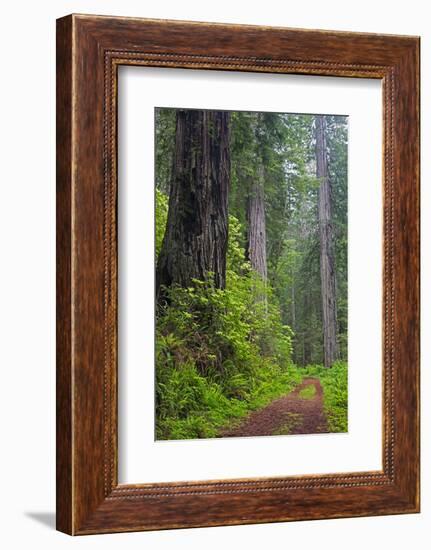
(237, 274)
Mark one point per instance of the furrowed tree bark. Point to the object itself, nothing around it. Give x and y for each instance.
(327, 264)
(196, 237)
(256, 225)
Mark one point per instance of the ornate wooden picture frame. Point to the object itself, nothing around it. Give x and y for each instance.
(89, 51)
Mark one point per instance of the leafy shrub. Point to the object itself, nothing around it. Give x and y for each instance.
(161, 218)
(219, 353)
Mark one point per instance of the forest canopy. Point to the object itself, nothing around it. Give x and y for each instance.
(251, 264)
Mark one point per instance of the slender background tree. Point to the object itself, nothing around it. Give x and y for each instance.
(326, 239)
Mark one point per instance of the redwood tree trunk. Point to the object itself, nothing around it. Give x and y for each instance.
(256, 225)
(327, 264)
(196, 238)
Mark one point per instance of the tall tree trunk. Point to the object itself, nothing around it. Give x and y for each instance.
(308, 332)
(196, 238)
(292, 298)
(256, 225)
(327, 264)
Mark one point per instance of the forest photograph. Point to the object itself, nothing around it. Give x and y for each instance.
(251, 273)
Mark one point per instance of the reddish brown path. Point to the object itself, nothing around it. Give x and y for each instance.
(290, 414)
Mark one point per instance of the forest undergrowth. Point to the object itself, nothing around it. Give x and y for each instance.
(221, 353)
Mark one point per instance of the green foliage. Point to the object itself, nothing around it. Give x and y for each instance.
(222, 353)
(161, 218)
(308, 393)
(219, 353)
(337, 143)
(334, 384)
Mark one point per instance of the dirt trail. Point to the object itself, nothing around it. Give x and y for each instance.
(299, 412)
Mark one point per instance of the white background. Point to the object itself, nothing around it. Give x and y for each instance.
(141, 458)
(27, 243)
